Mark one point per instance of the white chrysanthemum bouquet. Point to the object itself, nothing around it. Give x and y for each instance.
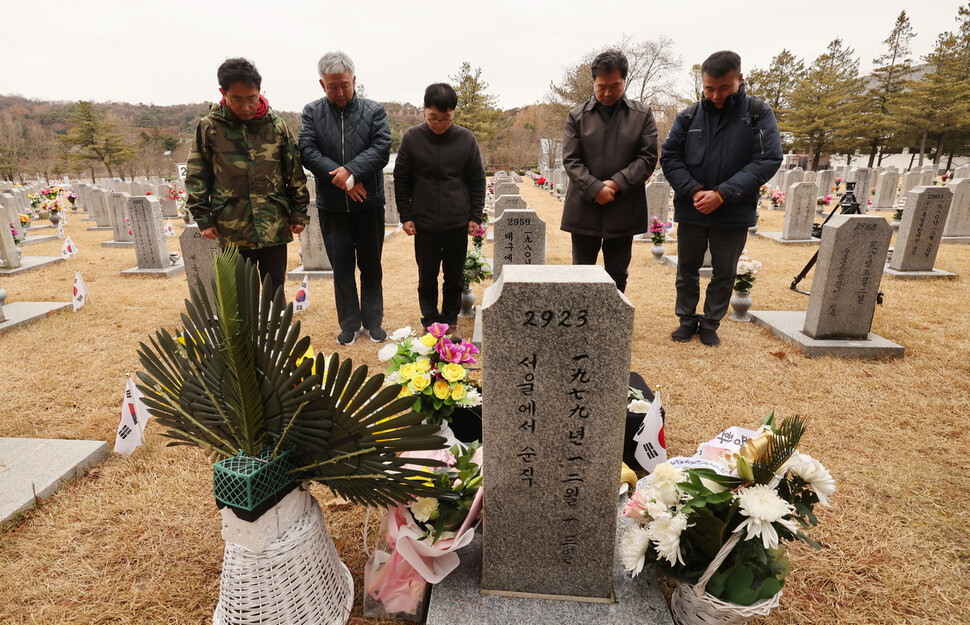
(752, 488)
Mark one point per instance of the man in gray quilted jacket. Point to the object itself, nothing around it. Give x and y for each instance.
(345, 141)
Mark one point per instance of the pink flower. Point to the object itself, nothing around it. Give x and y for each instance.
(635, 508)
(448, 351)
(438, 330)
(469, 350)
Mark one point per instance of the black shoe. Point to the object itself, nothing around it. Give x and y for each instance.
(709, 337)
(347, 337)
(378, 335)
(684, 333)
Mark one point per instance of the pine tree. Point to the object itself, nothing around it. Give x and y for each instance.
(776, 84)
(94, 140)
(824, 103)
(476, 109)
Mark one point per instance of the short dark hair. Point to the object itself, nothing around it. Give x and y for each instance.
(608, 62)
(238, 70)
(440, 96)
(721, 63)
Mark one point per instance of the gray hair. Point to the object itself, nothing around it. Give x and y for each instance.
(335, 62)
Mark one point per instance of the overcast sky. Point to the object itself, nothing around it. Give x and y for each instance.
(167, 52)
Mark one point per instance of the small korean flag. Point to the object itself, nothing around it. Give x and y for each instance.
(302, 301)
(69, 248)
(60, 229)
(651, 446)
(80, 291)
(169, 230)
(131, 426)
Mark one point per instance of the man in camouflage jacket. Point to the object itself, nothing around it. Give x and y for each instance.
(245, 181)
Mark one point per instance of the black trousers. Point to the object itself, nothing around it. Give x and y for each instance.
(726, 245)
(356, 239)
(269, 261)
(616, 255)
(444, 250)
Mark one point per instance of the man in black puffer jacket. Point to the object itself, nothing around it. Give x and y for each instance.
(345, 141)
(439, 185)
(716, 157)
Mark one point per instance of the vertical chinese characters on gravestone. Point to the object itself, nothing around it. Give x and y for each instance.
(558, 341)
(921, 229)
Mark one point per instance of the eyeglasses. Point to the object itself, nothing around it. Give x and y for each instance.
(435, 120)
(251, 100)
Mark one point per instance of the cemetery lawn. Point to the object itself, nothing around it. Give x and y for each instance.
(137, 540)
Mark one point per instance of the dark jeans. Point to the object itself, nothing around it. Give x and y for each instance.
(726, 245)
(616, 255)
(269, 261)
(356, 238)
(445, 250)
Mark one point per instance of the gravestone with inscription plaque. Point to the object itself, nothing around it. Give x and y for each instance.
(844, 292)
(558, 341)
(151, 249)
(99, 206)
(520, 239)
(920, 233)
(799, 211)
(120, 224)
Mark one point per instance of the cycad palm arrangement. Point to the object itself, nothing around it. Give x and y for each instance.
(236, 381)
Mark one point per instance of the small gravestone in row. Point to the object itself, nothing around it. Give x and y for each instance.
(658, 205)
(826, 180)
(910, 180)
(316, 262)
(886, 184)
(506, 188)
(792, 176)
(198, 256)
(845, 286)
(151, 250)
(99, 204)
(118, 211)
(863, 187)
(926, 177)
(920, 232)
(507, 202)
(799, 213)
(13, 261)
(391, 216)
(520, 239)
(957, 229)
(963, 171)
(558, 340)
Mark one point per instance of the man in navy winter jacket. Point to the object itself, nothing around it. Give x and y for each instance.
(345, 140)
(717, 156)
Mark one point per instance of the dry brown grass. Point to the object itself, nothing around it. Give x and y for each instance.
(137, 540)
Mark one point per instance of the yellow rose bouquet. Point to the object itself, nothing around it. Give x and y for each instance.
(434, 368)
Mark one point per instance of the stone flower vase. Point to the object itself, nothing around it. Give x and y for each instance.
(658, 253)
(55, 218)
(741, 303)
(467, 303)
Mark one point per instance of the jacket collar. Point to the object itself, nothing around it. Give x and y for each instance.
(350, 105)
(593, 103)
(731, 104)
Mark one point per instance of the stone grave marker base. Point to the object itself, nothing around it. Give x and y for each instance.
(42, 465)
(477, 328)
(29, 263)
(40, 239)
(20, 314)
(919, 275)
(88, 219)
(671, 259)
(41, 227)
(167, 272)
(457, 599)
(96, 228)
(299, 272)
(788, 327)
(956, 240)
(117, 244)
(776, 237)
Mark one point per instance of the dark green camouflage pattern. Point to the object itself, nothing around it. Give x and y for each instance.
(246, 179)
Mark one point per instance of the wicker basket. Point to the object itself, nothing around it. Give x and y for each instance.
(298, 580)
(691, 605)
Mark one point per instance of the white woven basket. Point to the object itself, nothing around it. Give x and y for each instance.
(691, 605)
(298, 580)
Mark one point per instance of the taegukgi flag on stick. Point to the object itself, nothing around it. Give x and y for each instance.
(651, 446)
(302, 301)
(80, 291)
(60, 229)
(134, 416)
(69, 248)
(169, 230)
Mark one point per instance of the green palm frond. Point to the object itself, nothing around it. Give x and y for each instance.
(780, 448)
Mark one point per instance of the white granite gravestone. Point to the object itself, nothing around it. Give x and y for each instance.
(12, 261)
(886, 184)
(151, 249)
(799, 212)
(391, 216)
(316, 262)
(826, 180)
(507, 202)
(920, 231)
(957, 229)
(99, 204)
(120, 225)
(198, 256)
(520, 239)
(910, 180)
(506, 188)
(792, 176)
(658, 202)
(558, 340)
(844, 292)
(926, 177)
(962, 171)
(863, 187)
